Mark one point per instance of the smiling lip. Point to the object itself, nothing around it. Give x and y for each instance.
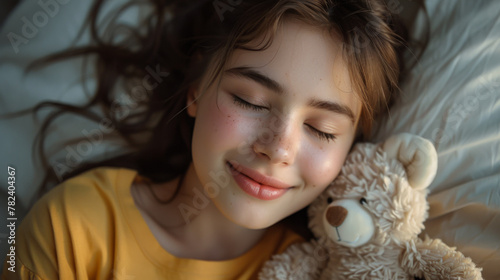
(255, 184)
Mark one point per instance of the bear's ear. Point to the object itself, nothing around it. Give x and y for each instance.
(417, 155)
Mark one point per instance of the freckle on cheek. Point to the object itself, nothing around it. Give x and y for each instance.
(229, 119)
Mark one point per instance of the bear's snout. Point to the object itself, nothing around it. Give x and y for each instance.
(335, 215)
(348, 222)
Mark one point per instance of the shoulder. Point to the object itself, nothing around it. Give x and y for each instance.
(87, 190)
(97, 178)
(79, 211)
(90, 195)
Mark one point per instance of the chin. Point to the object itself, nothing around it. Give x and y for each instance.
(254, 216)
(256, 225)
(254, 222)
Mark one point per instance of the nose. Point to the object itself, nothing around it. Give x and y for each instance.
(335, 215)
(277, 143)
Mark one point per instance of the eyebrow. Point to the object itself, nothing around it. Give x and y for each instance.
(251, 74)
(333, 107)
(248, 73)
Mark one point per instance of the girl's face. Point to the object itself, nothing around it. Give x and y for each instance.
(276, 130)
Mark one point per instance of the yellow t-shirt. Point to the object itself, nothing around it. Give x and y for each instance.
(89, 228)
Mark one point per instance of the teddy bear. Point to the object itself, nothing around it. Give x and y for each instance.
(367, 221)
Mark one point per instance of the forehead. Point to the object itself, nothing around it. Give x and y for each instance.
(305, 60)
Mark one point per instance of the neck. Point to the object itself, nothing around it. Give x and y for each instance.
(211, 236)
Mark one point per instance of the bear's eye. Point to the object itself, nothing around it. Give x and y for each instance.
(363, 201)
(329, 200)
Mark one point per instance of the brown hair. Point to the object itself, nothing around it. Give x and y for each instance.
(181, 38)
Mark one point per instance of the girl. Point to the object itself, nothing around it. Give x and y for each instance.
(259, 104)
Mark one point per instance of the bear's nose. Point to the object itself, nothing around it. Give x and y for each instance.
(336, 215)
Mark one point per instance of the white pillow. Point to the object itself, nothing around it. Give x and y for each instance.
(452, 97)
(32, 31)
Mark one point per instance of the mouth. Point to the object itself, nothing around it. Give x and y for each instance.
(255, 184)
(351, 242)
(339, 239)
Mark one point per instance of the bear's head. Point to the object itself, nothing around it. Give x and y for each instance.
(379, 198)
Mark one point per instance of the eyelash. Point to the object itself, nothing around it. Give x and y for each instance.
(247, 105)
(322, 135)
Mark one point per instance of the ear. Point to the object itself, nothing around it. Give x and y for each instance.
(417, 155)
(192, 101)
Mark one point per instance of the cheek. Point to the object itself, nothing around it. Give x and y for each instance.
(321, 167)
(220, 124)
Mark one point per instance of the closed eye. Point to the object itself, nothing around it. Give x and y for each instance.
(321, 135)
(247, 105)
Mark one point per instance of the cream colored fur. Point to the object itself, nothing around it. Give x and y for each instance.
(381, 191)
